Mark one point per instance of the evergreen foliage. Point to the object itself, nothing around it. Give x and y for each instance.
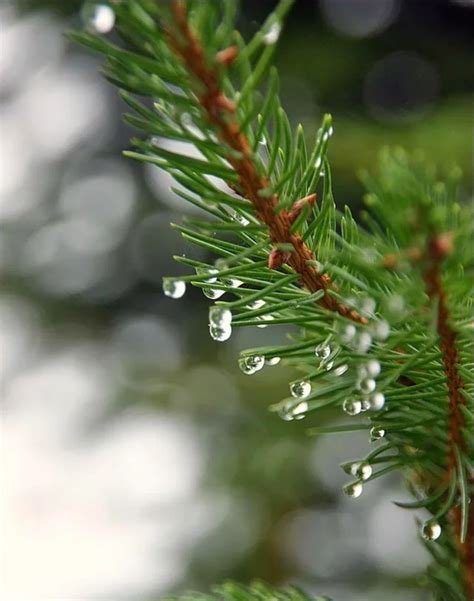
(257, 591)
(382, 309)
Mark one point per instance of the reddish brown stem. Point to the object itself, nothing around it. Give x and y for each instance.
(220, 112)
(437, 250)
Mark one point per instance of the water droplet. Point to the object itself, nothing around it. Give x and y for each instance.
(331, 130)
(431, 530)
(174, 288)
(381, 330)
(377, 401)
(352, 407)
(317, 164)
(98, 17)
(233, 282)
(329, 365)
(272, 35)
(348, 333)
(353, 490)
(265, 318)
(363, 342)
(299, 410)
(300, 389)
(256, 304)
(220, 316)
(365, 405)
(263, 140)
(373, 368)
(368, 306)
(213, 293)
(376, 433)
(249, 365)
(361, 469)
(273, 360)
(220, 333)
(208, 271)
(367, 385)
(241, 219)
(322, 351)
(339, 371)
(325, 136)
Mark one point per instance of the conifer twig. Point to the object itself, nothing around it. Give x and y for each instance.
(219, 110)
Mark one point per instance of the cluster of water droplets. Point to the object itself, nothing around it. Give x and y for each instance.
(220, 323)
(98, 17)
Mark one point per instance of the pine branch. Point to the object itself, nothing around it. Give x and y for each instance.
(257, 591)
(383, 311)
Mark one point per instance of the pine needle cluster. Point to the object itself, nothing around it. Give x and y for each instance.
(382, 308)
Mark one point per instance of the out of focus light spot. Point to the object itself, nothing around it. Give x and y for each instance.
(360, 18)
(149, 341)
(153, 244)
(400, 88)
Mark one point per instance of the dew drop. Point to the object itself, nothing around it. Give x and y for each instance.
(220, 316)
(263, 140)
(220, 333)
(326, 136)
(363, 342)
(233, 282)
(365, 405)
(265, 318)
(272, 35)
(348, 333)
(329, 365)
(322, 351)
(352, 407)
(368, 306)
(377, 401)
(208, 271)
(331, 130)
(367, 385)
(252, 363)
(317, 164)
(341, 370)
(431, 530)
(353, 490)
(381, 330)
(98, 17)
(273, 360)
(256, 304)
(174, 288)
(213, 293)
(299, 410)
(376, 433)
(361, 469)
(300, 389)
(373, 368)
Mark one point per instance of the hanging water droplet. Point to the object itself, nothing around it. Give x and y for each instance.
(285, 412)
(348, 333)
(210, 271)
(381, 330)
(272, 35)
(98, 17)
(252, 363)
(376, 433)
(339, 371)
(353, 489)
(233, 282)
(325, 136)
(241, 219)
(318, 162)
(363, 342)
(220, 333)
(263, 140)
(368, 306)
(220, 316)
(213, 293)
(365, 405)
(174, 288)
(265, 318)
(352, 407)
(373, 368)
(322, 351)
(300, 389)
(329, 365)
(299, 410)
(431, 530)
(273, 360)
(367, 385)
(331, 130)
(361, 469)
(377, 401)
(256, 304)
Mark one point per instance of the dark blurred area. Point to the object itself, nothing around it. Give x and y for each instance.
(136, 459)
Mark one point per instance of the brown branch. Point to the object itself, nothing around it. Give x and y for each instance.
(438, 248)
(220, 112)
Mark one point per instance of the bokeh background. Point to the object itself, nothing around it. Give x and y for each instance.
(136, 460)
